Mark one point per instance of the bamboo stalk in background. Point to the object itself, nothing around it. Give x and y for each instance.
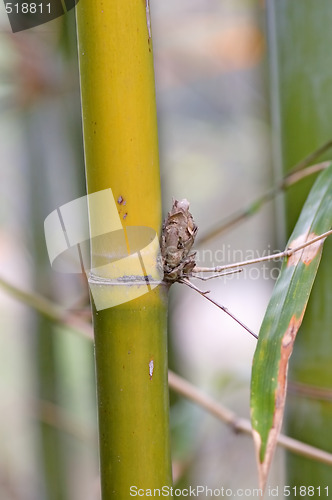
(301, 62)
(121, 153)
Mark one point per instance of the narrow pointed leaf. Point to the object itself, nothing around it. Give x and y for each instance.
(282, 320)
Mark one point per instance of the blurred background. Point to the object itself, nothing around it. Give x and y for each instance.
(213, 113)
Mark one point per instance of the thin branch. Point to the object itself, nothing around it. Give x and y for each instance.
(274, 256)
(61, 419)
(310, 391)
(291, 178)
(49, 309)
(176, 382)
(223, 308)
(312, 156)
(297, 175)
(218, 275)
(238, 424)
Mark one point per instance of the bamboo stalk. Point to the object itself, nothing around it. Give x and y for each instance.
(299, 37)
(51, 444)
(121, 153)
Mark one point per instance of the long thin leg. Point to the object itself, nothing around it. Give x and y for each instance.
(185, 281)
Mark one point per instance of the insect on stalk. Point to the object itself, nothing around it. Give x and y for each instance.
(178, 236)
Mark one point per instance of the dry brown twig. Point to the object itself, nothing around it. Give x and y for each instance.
(297, 173)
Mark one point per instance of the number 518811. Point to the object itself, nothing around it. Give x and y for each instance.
(306, 491)
(28, 8)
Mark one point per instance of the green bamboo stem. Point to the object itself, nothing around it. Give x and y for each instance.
(121, 153)
(131, 346)
(301, 64)
(51, 443)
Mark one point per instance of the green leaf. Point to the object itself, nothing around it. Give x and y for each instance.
(282, 320)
